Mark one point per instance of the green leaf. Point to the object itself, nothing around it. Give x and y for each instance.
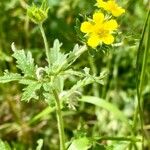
(40, 144)
(80, 144)
(56, 56)
(71, 57)
(88, 79)
(106, 105)
(25, 62)
(30, 91)
(75, 54)
(4, 145)
(143, 56)
(26, 81)
(142, 68)
(45, 112)
(8, 77)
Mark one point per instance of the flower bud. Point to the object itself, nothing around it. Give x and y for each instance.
(38, 15)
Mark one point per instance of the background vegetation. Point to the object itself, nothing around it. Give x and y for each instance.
(22, 124)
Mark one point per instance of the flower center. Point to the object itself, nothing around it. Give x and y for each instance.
(103, 33)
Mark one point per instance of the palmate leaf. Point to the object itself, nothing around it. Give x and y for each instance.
(30, 91)
(25, 62)
(8, 77)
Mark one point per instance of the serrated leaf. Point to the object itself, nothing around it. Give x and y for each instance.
(71, 57)
(25, 62)
(8, 77)
(80, 144)
(88, 79)
(26, 81)
(30, 91)
(56, 56)
(77, 51)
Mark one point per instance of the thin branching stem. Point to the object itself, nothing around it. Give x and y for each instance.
(59, 120)
(46, 44)
(57, 100)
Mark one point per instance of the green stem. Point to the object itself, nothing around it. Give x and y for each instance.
(58, 107)
(119, 139)
(59, 121)
(46, 44)
(139, 109)
(94, 71)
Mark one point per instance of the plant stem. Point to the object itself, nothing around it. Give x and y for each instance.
(94, 71)
(59, 121)
(46, 44)
(119, 139)
(139, 109)
(58, 107)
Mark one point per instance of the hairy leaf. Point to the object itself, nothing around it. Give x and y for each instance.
(25, 62)
(56, 56)
(8, 77)
(30, 91)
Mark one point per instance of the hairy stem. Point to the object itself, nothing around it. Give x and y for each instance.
(46, 44)
(59, 121)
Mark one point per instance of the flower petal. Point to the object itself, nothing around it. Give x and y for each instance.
(98, 17)
(86, 27)
(101, 4)
(111, 6)
(119, 11)
(94, 41)
(109, 39)
(111, 24)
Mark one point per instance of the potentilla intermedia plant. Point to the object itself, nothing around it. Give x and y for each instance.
(50, 80)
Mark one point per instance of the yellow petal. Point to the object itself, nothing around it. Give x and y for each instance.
(101, 4)
(119, 11)
(86, 27)
(111, 24)
(109, 39)
(98, 17)
(94, 41)
(114, 8)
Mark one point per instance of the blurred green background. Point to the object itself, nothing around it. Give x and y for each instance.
(17, 123)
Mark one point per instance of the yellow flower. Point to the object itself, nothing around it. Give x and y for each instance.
(111, 6)
(99, 30)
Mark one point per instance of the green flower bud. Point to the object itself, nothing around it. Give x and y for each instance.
(38, 15)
